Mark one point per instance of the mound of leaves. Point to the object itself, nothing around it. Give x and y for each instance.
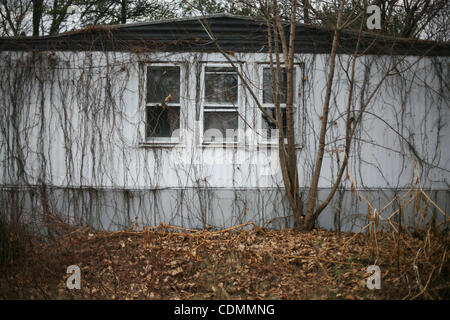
(243, 262)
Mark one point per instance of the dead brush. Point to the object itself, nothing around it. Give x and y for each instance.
(33, 252)
(16, 254)
(420, 251)
(13, 243)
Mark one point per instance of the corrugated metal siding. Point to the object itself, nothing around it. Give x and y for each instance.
(233, 33)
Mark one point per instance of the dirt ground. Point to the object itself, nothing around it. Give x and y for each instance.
(242, 263)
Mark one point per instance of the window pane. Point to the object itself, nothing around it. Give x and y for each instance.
(267, 86)
(268, 125)
(162, 82)
(221, 85)
(162, 121)
(216, 125)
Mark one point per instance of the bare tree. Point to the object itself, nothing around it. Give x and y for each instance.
(281, 38)
(423, 19)
(14, 17)
(122, 11)
(281, 27)
(311, 215)
(38, 11)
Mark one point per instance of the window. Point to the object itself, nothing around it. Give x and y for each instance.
(268, 102)
(162, 106)
(220, 105)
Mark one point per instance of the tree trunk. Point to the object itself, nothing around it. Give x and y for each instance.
(306, 18)
(37, 15)
(123, 12)
(310, 217)
(288, 158)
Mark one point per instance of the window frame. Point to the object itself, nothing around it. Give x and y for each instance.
(299, 67)
(221, 107)
(162, 141)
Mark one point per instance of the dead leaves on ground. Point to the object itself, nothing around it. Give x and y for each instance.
(234, 264)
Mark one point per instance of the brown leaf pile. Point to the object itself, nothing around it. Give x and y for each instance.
(239, 263)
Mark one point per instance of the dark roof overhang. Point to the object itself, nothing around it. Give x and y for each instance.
(231, 33)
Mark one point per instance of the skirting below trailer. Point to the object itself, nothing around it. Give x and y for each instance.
(115, 209)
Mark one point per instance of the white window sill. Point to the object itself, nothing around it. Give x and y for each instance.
(160, 144)
(221, 144)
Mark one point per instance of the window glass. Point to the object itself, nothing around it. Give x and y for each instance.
(267, 85)
(221, 86)
(163, 101)
(162, 122)
(268, 125)
(216, 125)
(220, 105)
(163, 82)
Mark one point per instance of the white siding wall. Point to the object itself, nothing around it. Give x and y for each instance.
(89, 141)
